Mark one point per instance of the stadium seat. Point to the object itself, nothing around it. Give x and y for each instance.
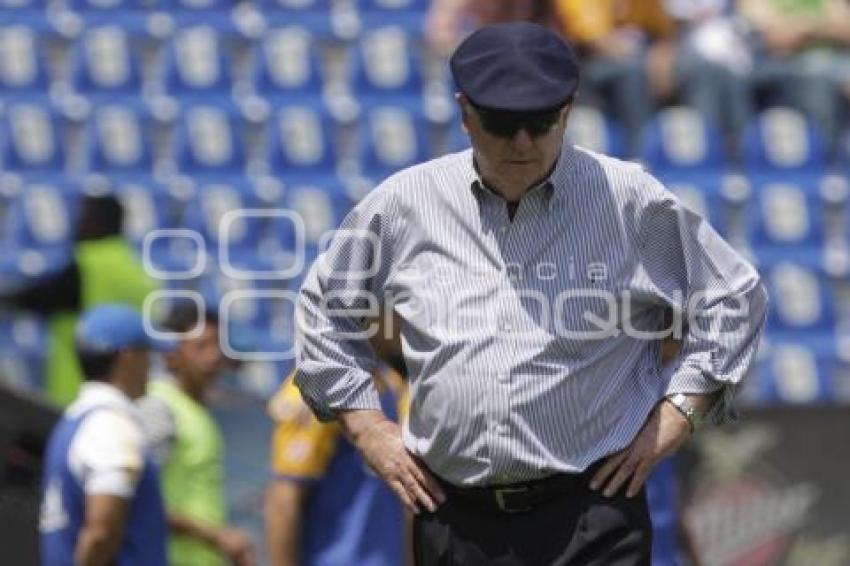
(385, 63)
(589, 128)
(782, 141)
(32, 134)
(23, 64)
(42, 216)
(131, 15)
(795, 373)
(287, 65)
(196, 66)
(322, 208)
(209, 141)
(704, 198)
(105, 67)
(315, 15)
(392, 137)
(785, 214)
(29, 13)
(408, 14)
(678, 139)
(301, 141)
(207, 210)
(212, 13)
(119, 141)
(148, 206)
(23, 347)
(801, 298)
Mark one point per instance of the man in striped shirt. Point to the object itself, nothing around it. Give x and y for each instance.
(531, 278)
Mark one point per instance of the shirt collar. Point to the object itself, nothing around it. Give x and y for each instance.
(553, 185)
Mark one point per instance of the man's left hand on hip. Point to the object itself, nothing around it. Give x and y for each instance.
(662, 434)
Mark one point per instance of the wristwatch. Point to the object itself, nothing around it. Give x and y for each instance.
(690, 412)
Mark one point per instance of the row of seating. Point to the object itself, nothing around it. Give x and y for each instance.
(341, 19)
(108, 63)
(303, 138)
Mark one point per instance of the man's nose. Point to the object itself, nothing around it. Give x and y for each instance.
(522, 140)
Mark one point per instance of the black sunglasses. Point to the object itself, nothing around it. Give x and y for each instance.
(506, 124)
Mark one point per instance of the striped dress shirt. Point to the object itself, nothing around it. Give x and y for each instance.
(531, 342)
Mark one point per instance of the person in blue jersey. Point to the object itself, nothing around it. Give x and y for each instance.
(101, 501)
(324, 506)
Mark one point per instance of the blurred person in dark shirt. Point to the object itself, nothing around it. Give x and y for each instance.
(103, 268)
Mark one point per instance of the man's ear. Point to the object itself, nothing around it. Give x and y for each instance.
(462, 102)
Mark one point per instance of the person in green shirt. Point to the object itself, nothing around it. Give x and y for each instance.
(189, 446)
(103, 269)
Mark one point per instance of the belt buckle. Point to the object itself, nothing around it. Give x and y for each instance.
(505, 506)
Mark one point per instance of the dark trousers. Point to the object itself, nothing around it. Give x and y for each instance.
(577, 528)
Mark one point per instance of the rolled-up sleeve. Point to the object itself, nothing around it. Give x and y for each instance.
(717, 294)
(343, 288)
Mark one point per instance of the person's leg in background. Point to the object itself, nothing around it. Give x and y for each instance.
(619, 87)
(718, 93)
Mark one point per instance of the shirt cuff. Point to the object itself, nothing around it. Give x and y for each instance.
(693, 381)
(327, 395)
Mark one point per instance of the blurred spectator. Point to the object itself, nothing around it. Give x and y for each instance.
(713, 63)
(101, 501)
(629, 51)
(802, 53)
(323, 506)
(103, 269)
(449, 21)
(189, 447)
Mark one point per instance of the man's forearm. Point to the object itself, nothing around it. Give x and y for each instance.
(355, 422)
(200, 530)
(97, 546)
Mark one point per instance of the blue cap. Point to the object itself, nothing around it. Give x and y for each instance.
(516, 67)
(109, 328)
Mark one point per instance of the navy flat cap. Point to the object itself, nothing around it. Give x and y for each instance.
(516, 67)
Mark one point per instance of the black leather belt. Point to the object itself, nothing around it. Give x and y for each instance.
(524, 496)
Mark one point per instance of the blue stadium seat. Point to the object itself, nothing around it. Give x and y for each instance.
(23, 347)
(206, 211)
(213, 13)
(795, 372)
(301, 141)
(785, 214)
(287, 65)
(105, 67)
(148, 206)
(32, 134)
(42, 216)
(385, 63)
(29, 13)
(782, 141)
(322, 208)
(119, 141)
(392, 137)
(589, 128)
(314, 15)
(679, 139)
(801, 298)
(702, 196)
(23, 64)
(131, 15)
(196, 66)
(209, 141)
(409, 14)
